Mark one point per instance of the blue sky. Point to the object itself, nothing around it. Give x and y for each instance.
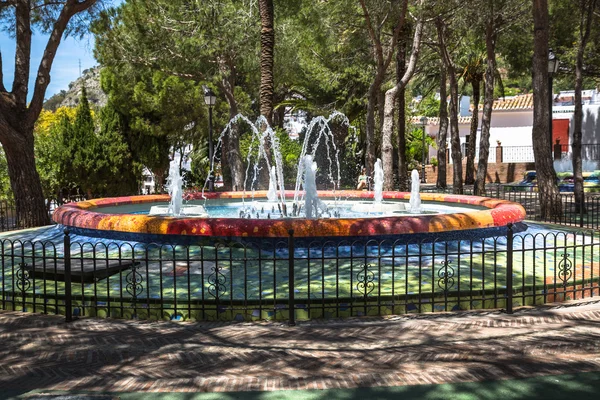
(65, 68)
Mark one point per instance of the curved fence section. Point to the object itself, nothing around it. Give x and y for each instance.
(278, 279)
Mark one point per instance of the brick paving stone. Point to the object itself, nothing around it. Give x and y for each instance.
(43, 352)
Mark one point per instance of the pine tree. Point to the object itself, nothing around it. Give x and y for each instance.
(83, 148)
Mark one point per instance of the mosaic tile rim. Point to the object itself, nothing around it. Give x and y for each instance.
(495, 213)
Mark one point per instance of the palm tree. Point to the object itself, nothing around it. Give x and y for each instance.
(267, 46)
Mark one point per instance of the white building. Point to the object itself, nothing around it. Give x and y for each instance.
(512, 123)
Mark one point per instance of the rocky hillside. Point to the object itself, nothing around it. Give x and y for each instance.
(70, 98)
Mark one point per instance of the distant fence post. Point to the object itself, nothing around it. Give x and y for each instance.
(509, 269)
(67, 262)
(557, 150)
(499, 154)
(291, 279)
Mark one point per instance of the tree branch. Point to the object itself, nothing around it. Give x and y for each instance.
(42, 81)
(22, 53)
(7, 3)
(374, 38)
(394, 39)
(2, 88)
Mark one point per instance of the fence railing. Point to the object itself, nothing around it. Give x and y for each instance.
(9, 218)
(294, 278)
(589, 151)
(512, 154)
(585, 216)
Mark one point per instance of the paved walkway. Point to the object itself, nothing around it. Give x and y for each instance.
(45, 353)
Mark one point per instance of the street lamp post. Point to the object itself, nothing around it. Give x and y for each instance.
(424, 122)
(552, 69)
(210, 99)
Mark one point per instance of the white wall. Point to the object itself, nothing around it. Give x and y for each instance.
(513, 130)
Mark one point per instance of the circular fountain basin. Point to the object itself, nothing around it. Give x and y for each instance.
(121, 220)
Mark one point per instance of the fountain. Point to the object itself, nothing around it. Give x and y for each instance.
(262, 214)
(415, 195)
(272, 194)
(312, 205)
(378, 179)
(175, 190)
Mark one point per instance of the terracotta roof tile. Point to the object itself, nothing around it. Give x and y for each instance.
(519, 102)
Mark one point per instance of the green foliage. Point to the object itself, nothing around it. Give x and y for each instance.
(115, 158)
(429, 107)
(53, 102)
(290, 151)
(350, 160)
(73, 155)
(81, 147)
(200, 166)
(414, 147)
(49, 152)
(5, 190)
(157, 112)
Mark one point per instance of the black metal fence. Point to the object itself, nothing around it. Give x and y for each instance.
(295, 278)
(9, 218)
(585, 215)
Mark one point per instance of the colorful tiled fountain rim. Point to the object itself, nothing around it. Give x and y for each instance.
(485, 213)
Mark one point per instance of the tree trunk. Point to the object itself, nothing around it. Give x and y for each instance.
(401, 107)
(470, 172)
(18, 113)
(443, 132)
(267, 48)
(160, 179)
(24, 179)
(380, 109)
(584, 32)
(370, 128)
(375, 96)
(234, 158)
(549, 198)
(390, 99)
(232, 149)
(488, 103)
(267, 83)
(457, 179)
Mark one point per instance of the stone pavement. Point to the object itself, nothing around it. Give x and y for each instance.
(43, 352)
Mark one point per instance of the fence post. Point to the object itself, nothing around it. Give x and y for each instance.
(557, 150)
(291, 278)
(499, 155)
(67, 262)
(581, 209)
(509, 269)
